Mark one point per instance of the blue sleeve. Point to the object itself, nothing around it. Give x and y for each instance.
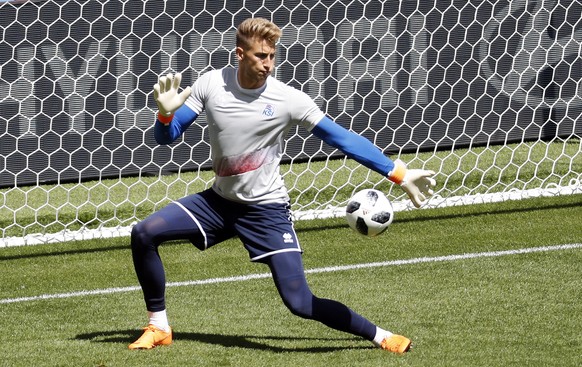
(183, 118)
(353, 145)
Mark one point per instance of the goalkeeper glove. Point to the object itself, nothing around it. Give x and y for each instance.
(417, 183)
(167, 97)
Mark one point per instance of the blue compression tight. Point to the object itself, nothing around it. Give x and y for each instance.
(287, 270)
(289, 277)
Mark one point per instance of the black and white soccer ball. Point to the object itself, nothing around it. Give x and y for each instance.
(369, 212)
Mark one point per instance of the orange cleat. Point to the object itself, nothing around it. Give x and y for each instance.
(396, 344)
(152, 337)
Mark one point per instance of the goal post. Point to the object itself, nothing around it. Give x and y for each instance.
(486, 93)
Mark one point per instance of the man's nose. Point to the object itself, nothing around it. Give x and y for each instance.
(268, 63)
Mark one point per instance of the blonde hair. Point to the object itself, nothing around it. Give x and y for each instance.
(257, 28)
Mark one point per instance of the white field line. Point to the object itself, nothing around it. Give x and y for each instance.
(242, 278)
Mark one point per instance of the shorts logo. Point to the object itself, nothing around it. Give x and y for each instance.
(287, 238)
(269, 110)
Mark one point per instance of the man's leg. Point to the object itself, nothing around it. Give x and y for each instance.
(289, 277)
(170, 223)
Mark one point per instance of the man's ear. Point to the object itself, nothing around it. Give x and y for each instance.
(239, 53)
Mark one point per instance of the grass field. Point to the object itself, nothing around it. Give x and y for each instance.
(76, 304)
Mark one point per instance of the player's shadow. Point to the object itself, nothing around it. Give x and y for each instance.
(267, 343)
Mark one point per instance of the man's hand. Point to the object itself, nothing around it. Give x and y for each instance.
(166, 94)
(417, 183)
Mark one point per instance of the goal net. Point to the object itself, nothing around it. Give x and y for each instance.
(486, 93)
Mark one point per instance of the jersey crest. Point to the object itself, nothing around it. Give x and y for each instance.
(269, 110)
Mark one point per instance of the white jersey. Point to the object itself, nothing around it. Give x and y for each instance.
(246, 129)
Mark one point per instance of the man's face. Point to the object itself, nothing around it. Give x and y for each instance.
(256, 62)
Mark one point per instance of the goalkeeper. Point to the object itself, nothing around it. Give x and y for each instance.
(248, 114)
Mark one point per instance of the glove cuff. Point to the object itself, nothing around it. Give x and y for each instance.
(165, 119)
(397, 174)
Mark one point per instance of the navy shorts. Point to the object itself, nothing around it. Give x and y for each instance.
(264, 229)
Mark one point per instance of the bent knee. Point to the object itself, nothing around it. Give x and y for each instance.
(302, 306)
(141, 234)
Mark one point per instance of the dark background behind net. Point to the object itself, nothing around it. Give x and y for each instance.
(76, 77)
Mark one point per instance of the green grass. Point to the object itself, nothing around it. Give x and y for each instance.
(512, 310)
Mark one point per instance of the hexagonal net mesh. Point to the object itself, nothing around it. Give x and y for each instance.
(486, 93)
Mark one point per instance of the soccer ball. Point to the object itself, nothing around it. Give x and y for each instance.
(369, 212)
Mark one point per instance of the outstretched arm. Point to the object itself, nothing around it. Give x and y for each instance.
(417, 183)
(353, 145)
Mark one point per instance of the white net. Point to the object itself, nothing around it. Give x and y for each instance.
(486, 93)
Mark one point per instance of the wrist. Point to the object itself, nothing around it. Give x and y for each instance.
(398, 172)
(165, 120)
